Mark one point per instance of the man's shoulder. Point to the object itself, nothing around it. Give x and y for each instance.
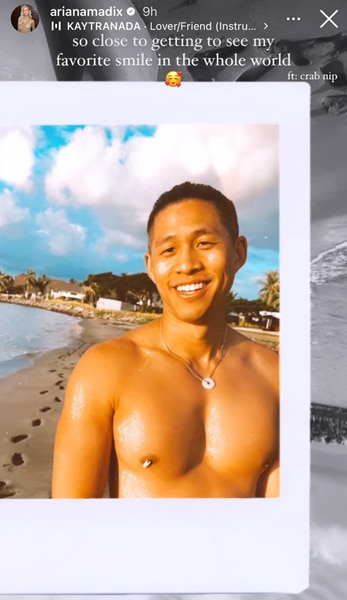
(260, 359)
(122, 350)
(106, 367)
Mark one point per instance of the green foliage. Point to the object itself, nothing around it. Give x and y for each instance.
(242, 305)
(270, 291)
(125, 287)
(31, 279)
(5, 282)
(91, 293)
(42, 283)
(106, 282)
(231, 297)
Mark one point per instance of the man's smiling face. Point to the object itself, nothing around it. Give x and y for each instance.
(192, 259)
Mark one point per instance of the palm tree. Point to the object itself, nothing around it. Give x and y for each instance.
(31, 280)
(269, 293)
(5, 282)
(231, 297)
(42, 283)
(91, 293)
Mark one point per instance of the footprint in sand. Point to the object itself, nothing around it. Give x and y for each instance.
(18, 438)
(52, 370)
(59, 382)
(17, 459)
(5, 491)
(44, 392)
(45, 409)
(57, 399)
(36, 422)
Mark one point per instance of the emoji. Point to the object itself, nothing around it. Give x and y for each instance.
(173, 78)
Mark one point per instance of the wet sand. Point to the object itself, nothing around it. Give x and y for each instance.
(31, 402)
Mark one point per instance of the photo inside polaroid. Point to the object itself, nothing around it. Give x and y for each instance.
(149, 277)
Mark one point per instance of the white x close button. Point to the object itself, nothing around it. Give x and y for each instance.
(329, 19)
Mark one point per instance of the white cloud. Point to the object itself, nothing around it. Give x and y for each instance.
(116, 238)
(121, 257)
(10, 213)
(83, 170)
(17, 156)
(63, 237)
(120, 181)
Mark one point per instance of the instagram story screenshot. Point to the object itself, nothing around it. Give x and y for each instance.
(172, 282)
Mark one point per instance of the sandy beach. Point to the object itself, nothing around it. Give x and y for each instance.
(30, 406)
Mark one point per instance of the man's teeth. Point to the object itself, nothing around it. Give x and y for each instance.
(191, 287)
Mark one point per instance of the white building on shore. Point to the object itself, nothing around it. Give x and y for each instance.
(109, 304)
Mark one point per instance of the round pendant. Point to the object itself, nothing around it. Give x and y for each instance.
(208, 383)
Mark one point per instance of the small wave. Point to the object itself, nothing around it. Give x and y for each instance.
(15, 363)
(322, 255)
(27, 332)
(31, 355)
(330, 265)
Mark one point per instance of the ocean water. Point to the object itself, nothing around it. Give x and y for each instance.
(26, 332)
(331, 265)
(329, 326)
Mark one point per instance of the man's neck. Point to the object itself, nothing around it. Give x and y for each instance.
(194, 342)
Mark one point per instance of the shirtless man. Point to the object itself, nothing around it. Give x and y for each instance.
(184, 406)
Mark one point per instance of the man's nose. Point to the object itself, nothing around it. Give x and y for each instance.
(188, 260)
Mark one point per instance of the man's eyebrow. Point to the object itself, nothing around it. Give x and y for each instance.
(165, 240)
(200, 231)
(204, 231)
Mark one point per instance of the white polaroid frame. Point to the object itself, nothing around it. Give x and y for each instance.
(183, 546)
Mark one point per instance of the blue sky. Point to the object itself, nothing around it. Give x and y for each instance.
(74, 200)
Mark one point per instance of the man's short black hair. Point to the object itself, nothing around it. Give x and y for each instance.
(197, 191)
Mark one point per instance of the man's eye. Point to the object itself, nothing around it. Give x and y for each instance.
(205, 243)
(168, 250)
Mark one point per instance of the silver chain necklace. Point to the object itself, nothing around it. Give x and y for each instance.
(207, 382)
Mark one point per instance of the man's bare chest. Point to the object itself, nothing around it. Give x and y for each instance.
(176, 426)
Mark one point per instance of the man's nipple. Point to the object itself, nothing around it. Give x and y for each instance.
(148, 461)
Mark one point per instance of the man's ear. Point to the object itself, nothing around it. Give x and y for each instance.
(148, 263)
(241, 252)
